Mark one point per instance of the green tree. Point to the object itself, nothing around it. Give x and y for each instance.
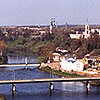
(46, 51)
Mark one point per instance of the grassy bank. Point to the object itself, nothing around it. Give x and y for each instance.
(68, 75)
(59, 72)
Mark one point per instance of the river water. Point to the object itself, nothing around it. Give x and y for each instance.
(40, 91)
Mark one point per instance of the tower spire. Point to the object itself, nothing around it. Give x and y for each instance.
(87, 28)
(52, 24)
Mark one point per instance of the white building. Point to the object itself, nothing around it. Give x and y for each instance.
(87, 29)
(56, 57)
(75, 36)
(93, 30)
(71, 65)
(86, 33)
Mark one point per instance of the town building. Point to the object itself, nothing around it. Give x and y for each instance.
(71, 64)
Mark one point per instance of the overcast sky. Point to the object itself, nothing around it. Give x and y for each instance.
(34, 12)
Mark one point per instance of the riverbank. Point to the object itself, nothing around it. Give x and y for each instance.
(56, 69)
(57, 72)
(53, 69)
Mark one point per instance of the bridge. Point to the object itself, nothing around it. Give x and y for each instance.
(19, 65)
(44, 80)
(50, 80)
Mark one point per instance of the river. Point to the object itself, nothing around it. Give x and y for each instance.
(40, 91)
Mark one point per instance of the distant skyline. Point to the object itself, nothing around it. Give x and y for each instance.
(39, 12)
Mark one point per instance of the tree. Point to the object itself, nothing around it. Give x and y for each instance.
(94, 42)
(46, 51)
(3, 57)
(62, 40)
(3, 47)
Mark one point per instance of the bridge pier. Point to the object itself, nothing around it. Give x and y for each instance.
(26, 62)
(87, 87)
(51, 88)
(13, 89)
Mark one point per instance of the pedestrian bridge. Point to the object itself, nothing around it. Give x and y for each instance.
(19, 65)
(49, 80)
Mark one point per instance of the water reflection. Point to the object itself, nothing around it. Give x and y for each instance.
(21, 59)
(68, 85)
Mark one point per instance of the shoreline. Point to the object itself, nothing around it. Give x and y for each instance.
(59, 72)
(56, 67)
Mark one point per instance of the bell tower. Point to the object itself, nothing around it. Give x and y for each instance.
(52, 24)
(87, 30)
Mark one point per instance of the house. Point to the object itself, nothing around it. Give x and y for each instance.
(75, 36)
(56, 57)
(93, 58)
(59, 54)
(71, 64)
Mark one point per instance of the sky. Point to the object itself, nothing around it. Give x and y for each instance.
(39, 12)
